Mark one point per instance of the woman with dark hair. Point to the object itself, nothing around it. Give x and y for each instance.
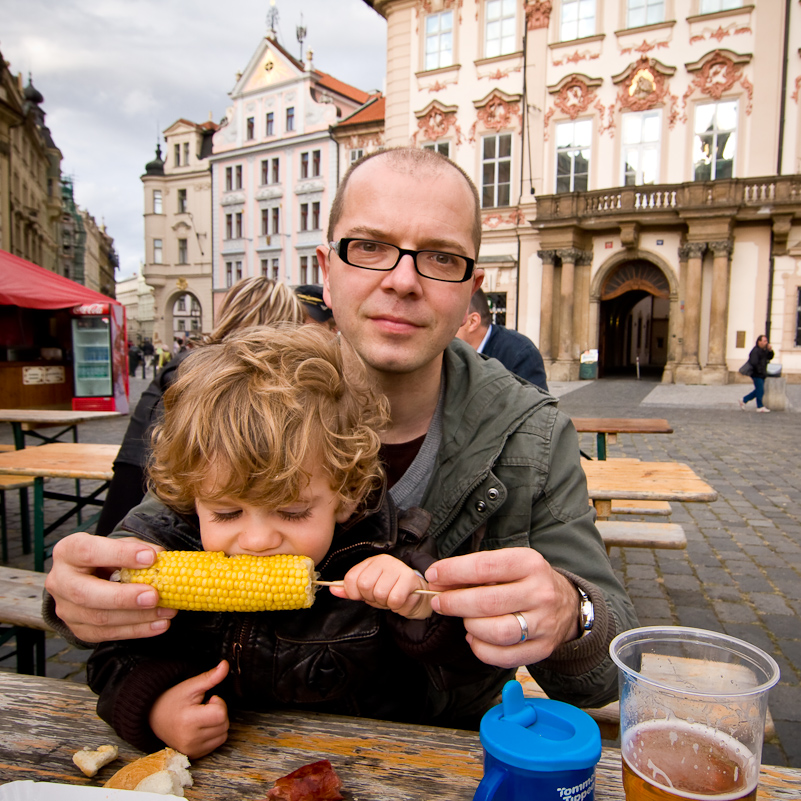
(759, 357)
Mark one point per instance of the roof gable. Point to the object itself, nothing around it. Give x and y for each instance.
(270, 65)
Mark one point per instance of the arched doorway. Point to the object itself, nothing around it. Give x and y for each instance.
(634, 320)
(187, 316)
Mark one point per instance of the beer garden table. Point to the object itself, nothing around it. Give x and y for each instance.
(60, 460)
(607, 428)
(44, 721)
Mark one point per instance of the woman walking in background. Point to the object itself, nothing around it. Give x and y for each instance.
(758, 359)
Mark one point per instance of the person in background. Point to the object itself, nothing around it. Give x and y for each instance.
(759, 357)
(311, 296)
(134, 356)
(252, 301)
(516, 352)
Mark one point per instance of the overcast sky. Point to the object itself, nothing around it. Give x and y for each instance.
(115, 73)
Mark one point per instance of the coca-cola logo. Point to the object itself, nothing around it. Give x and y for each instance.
(91, 308)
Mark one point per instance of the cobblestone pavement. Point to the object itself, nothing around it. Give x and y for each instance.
(741, 572)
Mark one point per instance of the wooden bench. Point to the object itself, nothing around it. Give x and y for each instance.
(636, 534)
(641, 508)
(11, 482)
(21, 612)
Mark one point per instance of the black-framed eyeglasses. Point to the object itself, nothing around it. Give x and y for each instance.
(433, 264)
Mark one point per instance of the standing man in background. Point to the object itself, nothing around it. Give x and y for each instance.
(517, 353)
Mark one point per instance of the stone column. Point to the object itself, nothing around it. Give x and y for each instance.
(689, 369)
(569, 256)
(581, 311)
(546, 313)
(716, 371)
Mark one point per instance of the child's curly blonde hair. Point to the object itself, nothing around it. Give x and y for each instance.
(254, 414)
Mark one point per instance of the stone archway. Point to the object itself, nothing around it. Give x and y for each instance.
(635, 299)
(183, 316)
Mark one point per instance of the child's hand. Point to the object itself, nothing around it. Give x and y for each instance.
(180, 719)
(387, 583)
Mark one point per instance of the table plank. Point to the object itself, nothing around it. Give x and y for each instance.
(621, 479)
(62, 460)
(21, 598)
(55, 417)
(621, 425)
(377, 761)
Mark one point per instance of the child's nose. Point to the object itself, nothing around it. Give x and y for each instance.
(259, 536)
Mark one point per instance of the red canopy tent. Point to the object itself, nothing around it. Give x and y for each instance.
(32, 287)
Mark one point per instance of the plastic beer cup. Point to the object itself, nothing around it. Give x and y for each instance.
(692, 713)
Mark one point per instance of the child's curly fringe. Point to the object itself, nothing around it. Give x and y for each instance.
(253, 414)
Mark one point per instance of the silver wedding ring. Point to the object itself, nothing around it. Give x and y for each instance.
(523, 626)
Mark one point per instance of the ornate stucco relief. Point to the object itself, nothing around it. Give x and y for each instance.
(716, 73)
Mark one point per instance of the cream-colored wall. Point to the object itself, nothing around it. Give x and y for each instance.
(747, 294)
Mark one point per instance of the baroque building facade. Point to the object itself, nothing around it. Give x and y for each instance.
(638, 166)
(178, 238)
(275, 168)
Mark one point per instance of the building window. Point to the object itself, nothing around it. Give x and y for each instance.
(439, 40)
(269, 124)
(711, 6)
(304, 165)
(177, 151)
(238, 221)
(798, 320)
(355, 154)
(304, 220)
(229, 179)
(265, 267)
(182, 325)
(573, 140)
(275, 270)
(251, 126)
(496, 170)
(238, 184)
(315, 163)
(186, 153)
(239, 271)
(276, 170)
(499, 30)
(290, 118)
(229, 226)
(158, 251)
(265, 171)
(276, 219)
(578, 19)
(157, 201)
(315, 216)
(182, 252)
(715, 140)
(444, 148)
(229, 274)
(180, 304)
(641, 146)
(265, 222)
(304, 270)
(645, 12)
(182, 201)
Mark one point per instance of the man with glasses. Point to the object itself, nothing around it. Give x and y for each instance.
(488, 456)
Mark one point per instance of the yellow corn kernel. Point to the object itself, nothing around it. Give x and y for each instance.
(210, 581)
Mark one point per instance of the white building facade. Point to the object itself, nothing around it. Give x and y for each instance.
(638, 165)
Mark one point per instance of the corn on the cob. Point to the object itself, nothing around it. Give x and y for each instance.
(208, 581)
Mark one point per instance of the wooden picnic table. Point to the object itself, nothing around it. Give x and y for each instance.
(25, 421)
(45, 721)
(607, 428)
(630, 479)
(60, 460)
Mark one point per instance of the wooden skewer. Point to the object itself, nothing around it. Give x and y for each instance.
(342, 584)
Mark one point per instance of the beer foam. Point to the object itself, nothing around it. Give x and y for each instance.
(677, 733)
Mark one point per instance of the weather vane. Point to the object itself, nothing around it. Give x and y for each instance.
(272, 19)
(300, 31)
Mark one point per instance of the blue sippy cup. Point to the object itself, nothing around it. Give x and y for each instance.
(535, 748)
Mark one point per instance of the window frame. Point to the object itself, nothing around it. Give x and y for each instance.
(579, 34)
(238, 177)
(427, 37)
(183, 251)
(239, 225)
(303, 221)
(722, 6)
(352, 154)
(303, 270)
(265, 222)
(437, 147)
(572, 149)
(229, 179)
(713, 163)
(646, 5)
(497, 160)
(269, 123)
(250, 128)
(290, 119)
(276, 170)
(275, 266)
(315, 215)
(304, 165)
(265, 172)
(641, 147)
(158, 205)
(186, 153)
(158, 251)
(229, 274)
(177, 154)
(316, 159)
(515, 46)
(182, 201)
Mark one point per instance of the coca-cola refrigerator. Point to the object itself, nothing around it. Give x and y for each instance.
(100, 358)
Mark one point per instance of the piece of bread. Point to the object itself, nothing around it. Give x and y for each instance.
(164, 772)
(90, 761)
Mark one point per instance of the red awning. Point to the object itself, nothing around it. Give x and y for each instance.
(32, 287)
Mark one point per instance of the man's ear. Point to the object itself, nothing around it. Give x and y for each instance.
(325, 267)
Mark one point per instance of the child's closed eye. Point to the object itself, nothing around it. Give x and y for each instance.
(294, 514)
(225, 517)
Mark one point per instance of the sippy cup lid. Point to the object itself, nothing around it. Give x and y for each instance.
(539, 734)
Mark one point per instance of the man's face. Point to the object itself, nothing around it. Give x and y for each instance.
(398, 321)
